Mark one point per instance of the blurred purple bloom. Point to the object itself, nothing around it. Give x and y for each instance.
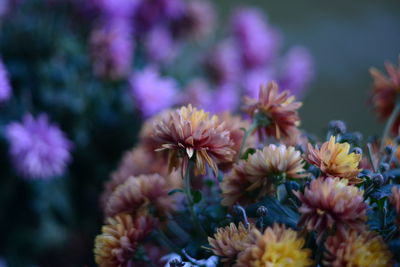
(5, 87)
(4, 7)
(225, 98)
(198, 94)
(254, 78)
(223, 63)
(160, 45)
(153, 93)
(258, 42)
(297, 71)
(117, 8)
(112, 49)
(199, 19)
(39, 150)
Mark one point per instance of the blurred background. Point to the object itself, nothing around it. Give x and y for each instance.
(80, 77)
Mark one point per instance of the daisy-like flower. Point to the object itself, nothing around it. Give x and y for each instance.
(39, 149)
(119, 239)
(280, 109)
(395, 200)
(190, 133)
(334, 160)
(256, 177)
(277, 246)
(229, 241)
(330, 204)
(357, 249)
(385, 92)
(139, 193)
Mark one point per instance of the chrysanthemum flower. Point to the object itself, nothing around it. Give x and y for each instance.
(192, 134)
(119, 239)
(139, 193)
(229, 241)
(279, 108)
(335, 160)
(395, 200)
(256, 177)
(38, 148)
(357, 249)
(385, 92)
(332, 204)
(5, 86)
(277, 246)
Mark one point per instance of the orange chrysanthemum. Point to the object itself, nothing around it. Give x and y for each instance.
(229, 241)
(385, 92)
(256, 177)
(357, 249)
(334, 160)
(138, 193)
(117, 243)
(395, 200)
(278, 246)
(279, 108)
(331, 203)
(190, 133)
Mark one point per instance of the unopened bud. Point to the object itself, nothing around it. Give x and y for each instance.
(262, 211)
(357, 150)
(389, 150)
(378, 179)
(384, 167)
(338, 127)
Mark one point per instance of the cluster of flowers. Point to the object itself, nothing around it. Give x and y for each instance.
(276, 199)
(161, 30)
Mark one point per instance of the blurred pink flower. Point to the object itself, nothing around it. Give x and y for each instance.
(151, 92)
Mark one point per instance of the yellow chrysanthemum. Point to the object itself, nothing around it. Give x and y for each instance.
(278, 246)
(231, 240)
(191, 133)
(357, 249)
(334, 159)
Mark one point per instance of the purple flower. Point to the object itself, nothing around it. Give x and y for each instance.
(225, 98)
(258, 42)
(254, 78)
(223, 63)
(112, 49)
(151, 92)
(198, 94)
(199, 19)
(5, 87)
(39, 150)
(117, 8)
(160, 45)
(297, 71)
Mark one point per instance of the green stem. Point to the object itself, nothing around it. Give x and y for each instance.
(389, 125)
(189, 198)
(246, 135)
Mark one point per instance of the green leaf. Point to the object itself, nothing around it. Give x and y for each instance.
(248, 152)
(196, 194)
(176, 190)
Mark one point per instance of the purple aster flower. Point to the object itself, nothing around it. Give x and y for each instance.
(39, 150)
(297, 71)
(198, 94)
(4, 7)
(117, 8)
(223, 63)
(5, 87)
(112, 49)
(254, 78)
(160, 45)
(258, 42)
(151, 92)
(225, 98)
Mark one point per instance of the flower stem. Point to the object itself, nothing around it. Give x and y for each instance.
(246, 135)
(389, 125)
(189, 198)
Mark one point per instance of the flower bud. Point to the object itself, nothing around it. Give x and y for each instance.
(338, 127)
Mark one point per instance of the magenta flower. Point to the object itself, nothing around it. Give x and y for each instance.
(39, 150)
(298, 70)
(151, 92)
(258, 42)
(160, 45)
(5, 87)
